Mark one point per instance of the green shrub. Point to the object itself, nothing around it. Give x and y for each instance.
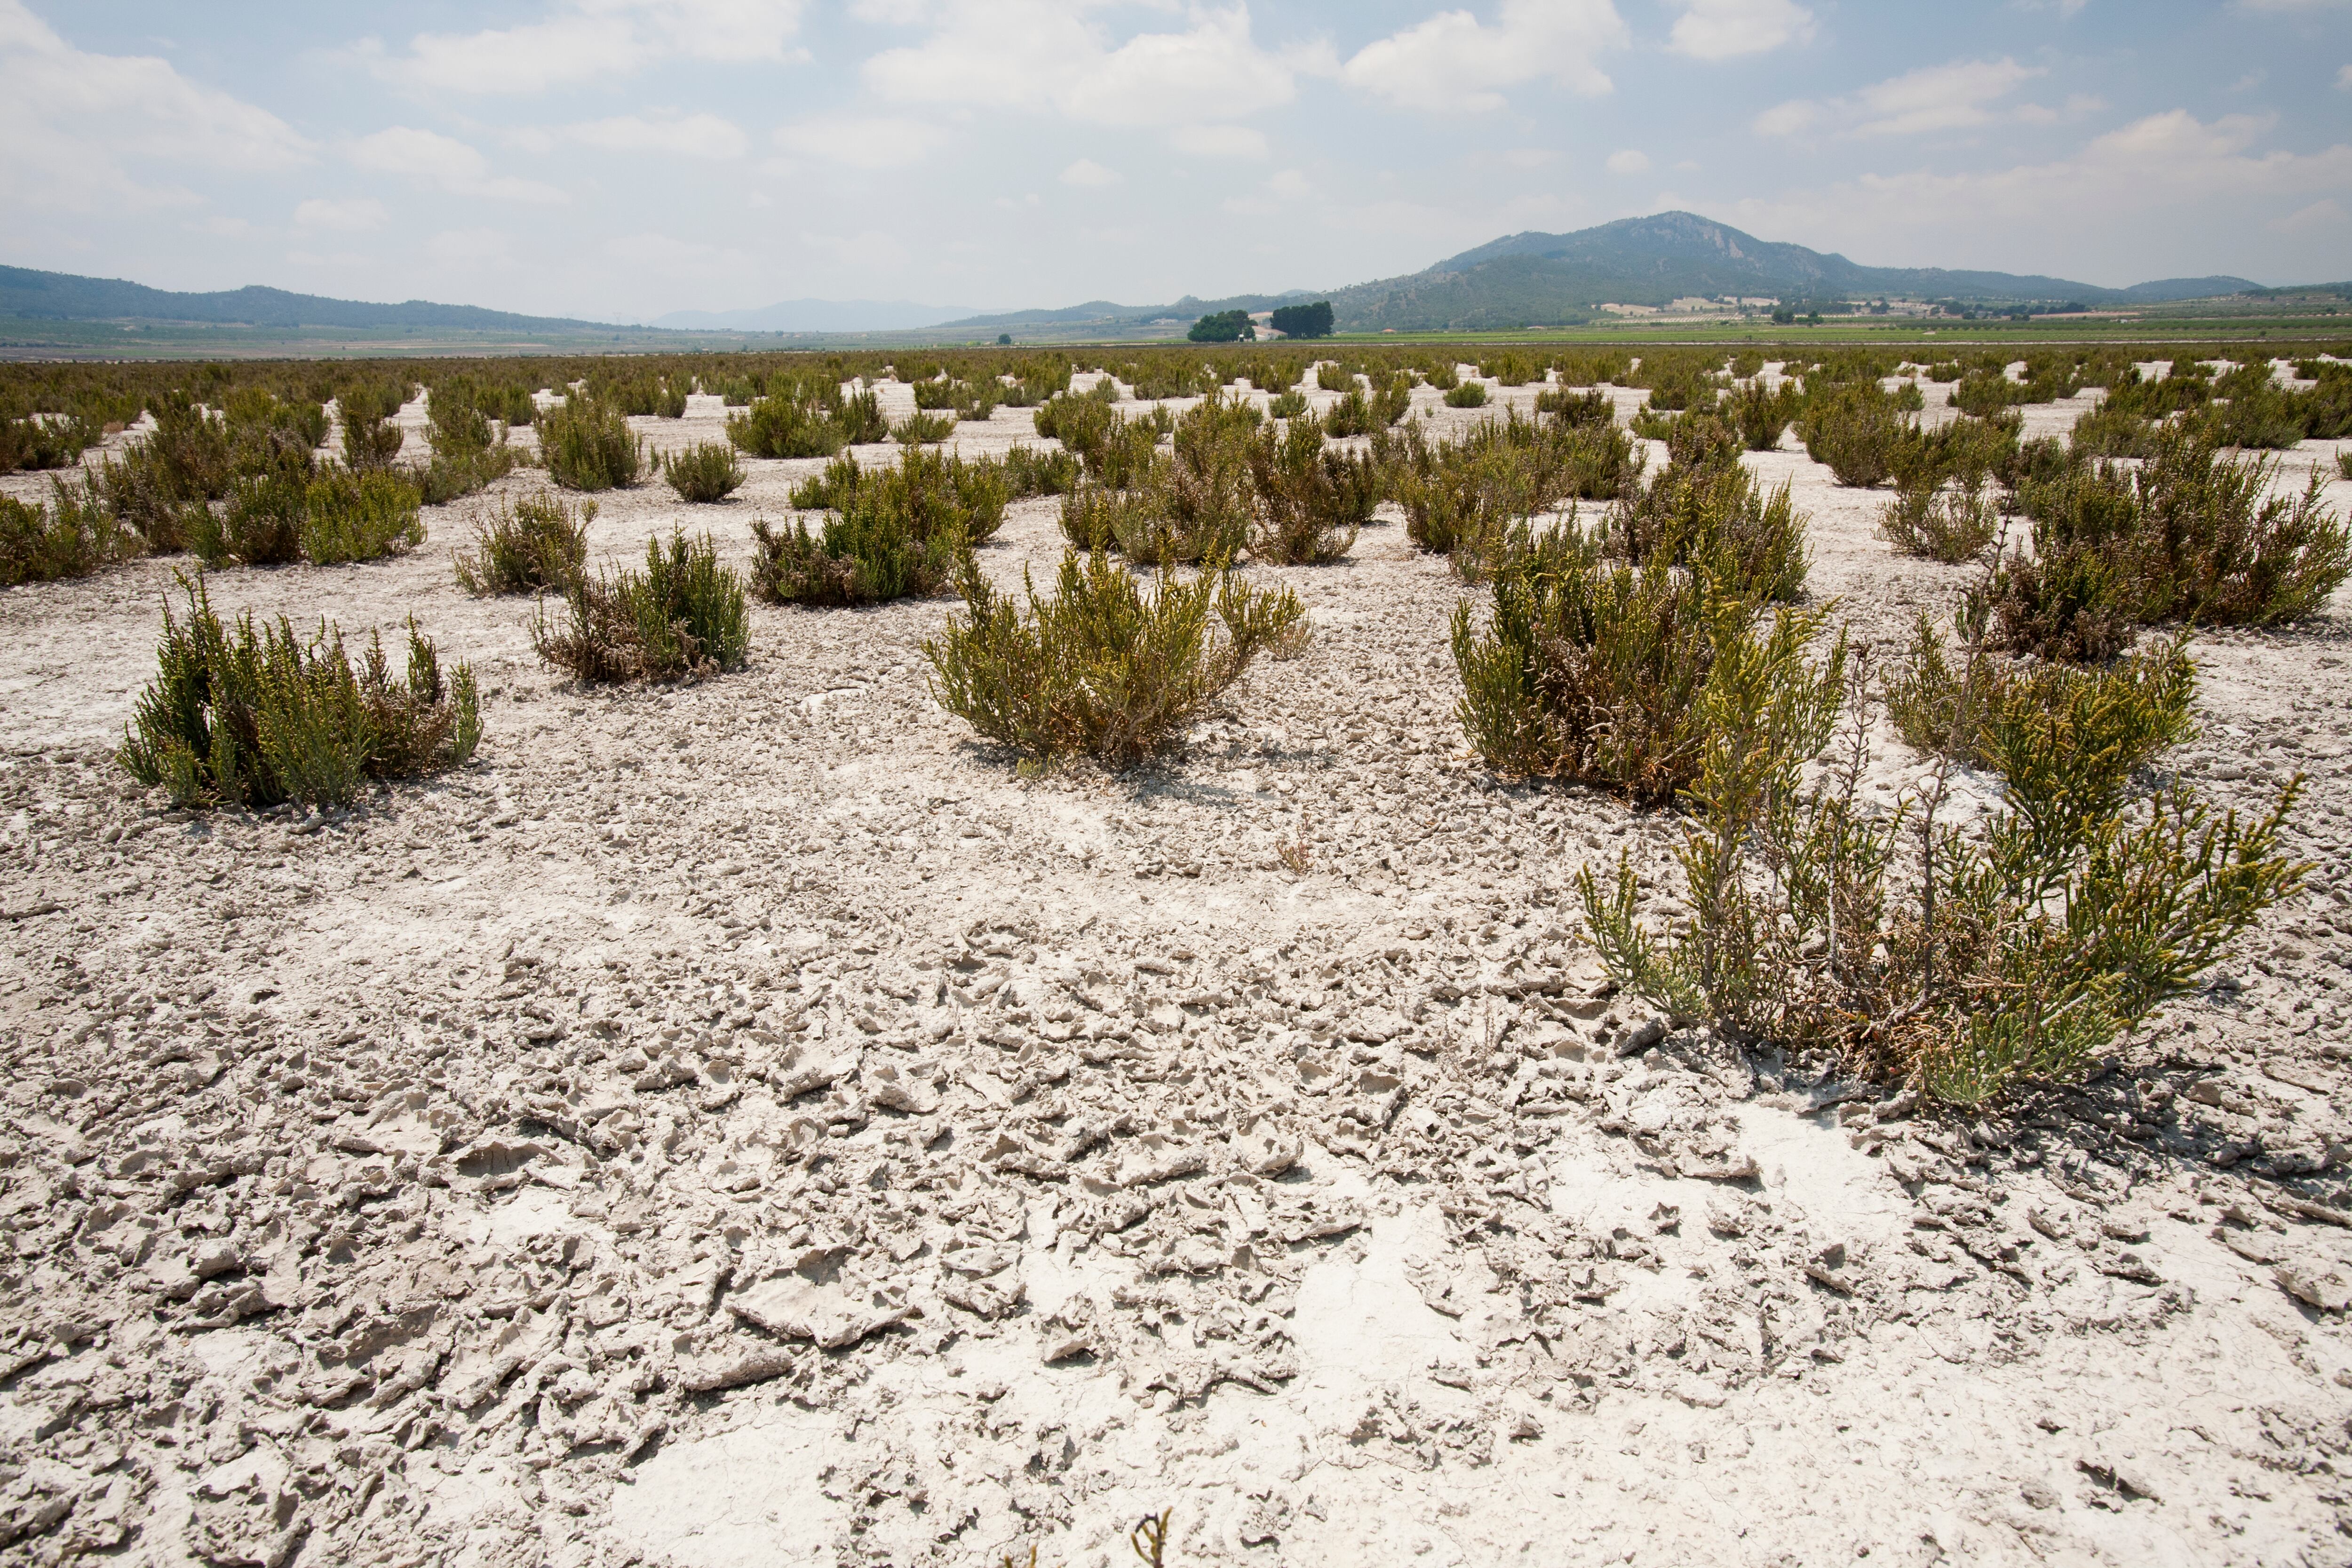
(2095, 727)
(1764, 417)
(1095, 516)
(1310, 500)
(783, 425)
(370, 440)
(1303, 321)
(445, 479)
(1335, 378)
(1446, 376)
(918, 429)
(241, 717)
(1352, 415)
(1468, 394)
(683, 617)
(1596, 673)
(1033, 471)
(350, 516)
(1574, 407)
(895, 532)
(73, 536)
(47, 441)
(1102, 669)
(704, 472)
(1856, 430)
(456, 424)
(2190, 534)
(588, 446)
(1946, 523)
(1286, 406)
(1704, 510)
(1510, 370)
(1460, 497)
(535, 544)
(2344, 464)
(1393, 402)
(260, 526)
(1966, 960)
(159, 486)
(2113, 433)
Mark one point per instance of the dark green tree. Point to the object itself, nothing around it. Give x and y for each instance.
(1303, 320)
(1223, 327)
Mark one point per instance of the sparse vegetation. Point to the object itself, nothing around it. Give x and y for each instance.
(350, 516)
(1704, 510)
(73, 536)
(703, 473)
(588, 446)
(1461, 497)
(370, 440)
(530, 545)
(1964, 959)
(1102, 668)
(919, 429)
(2192, 534)
(894, 532)
(240, 716)
(1310, 499)
(1467, 394)
(1947, 523)
(683, 617)
(1288, 405)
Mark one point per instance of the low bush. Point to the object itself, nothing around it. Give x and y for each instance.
(1949, 523)
(260, 526)
(1103, 668)
(350, 517)
(1033, 471)
(1286, 406)
(895, 532)
(1856, 430)
(161, 486)
(1704, 510)
(445, 479)
(1310, 499)
(1764, 417)
(2098, 727)
(2190, 534)
(1443, 376)
(532, 544)
(370, 439)
(1351, 414)
(1095, 516)
(919, 429)
(1461, 497)
(243, 717)
(784, 425)
(683, 617)
(1592, 407)
(2344, 464)
(1964, 960)
(1510, 370)
(47, 441)
(1600, 673)
(703, 473)
(457, 423)
(1337, 378)
(588, 446)
(1467, 394)
(2113, 433)
(73, 536)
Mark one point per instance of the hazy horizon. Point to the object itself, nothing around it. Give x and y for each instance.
(624, 160)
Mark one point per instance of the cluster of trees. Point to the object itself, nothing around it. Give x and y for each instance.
(1291, 320)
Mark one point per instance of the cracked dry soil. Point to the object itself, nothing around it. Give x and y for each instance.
(749, 1124)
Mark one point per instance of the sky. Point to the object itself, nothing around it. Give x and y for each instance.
(619, 159)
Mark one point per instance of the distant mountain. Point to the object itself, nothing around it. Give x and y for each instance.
(1526, 279)
(63, 297)
(1186, 309)
(817, 316)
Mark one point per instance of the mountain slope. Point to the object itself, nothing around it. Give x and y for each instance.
(1549, 278)
(63, 297)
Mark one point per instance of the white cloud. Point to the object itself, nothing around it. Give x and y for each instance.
(1630, 161)
(1220, 142)
(430, 158)
(870, 143)
(2344, 80)
(2135, 190)
(355, 215)
(1954, 96)
(2324, 214)
(580, 40)
(687, 136)
(1719, 29)
(1454, 62)
(1291, 184)
(69, 118)
(1041, 55)
(1087, 172)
